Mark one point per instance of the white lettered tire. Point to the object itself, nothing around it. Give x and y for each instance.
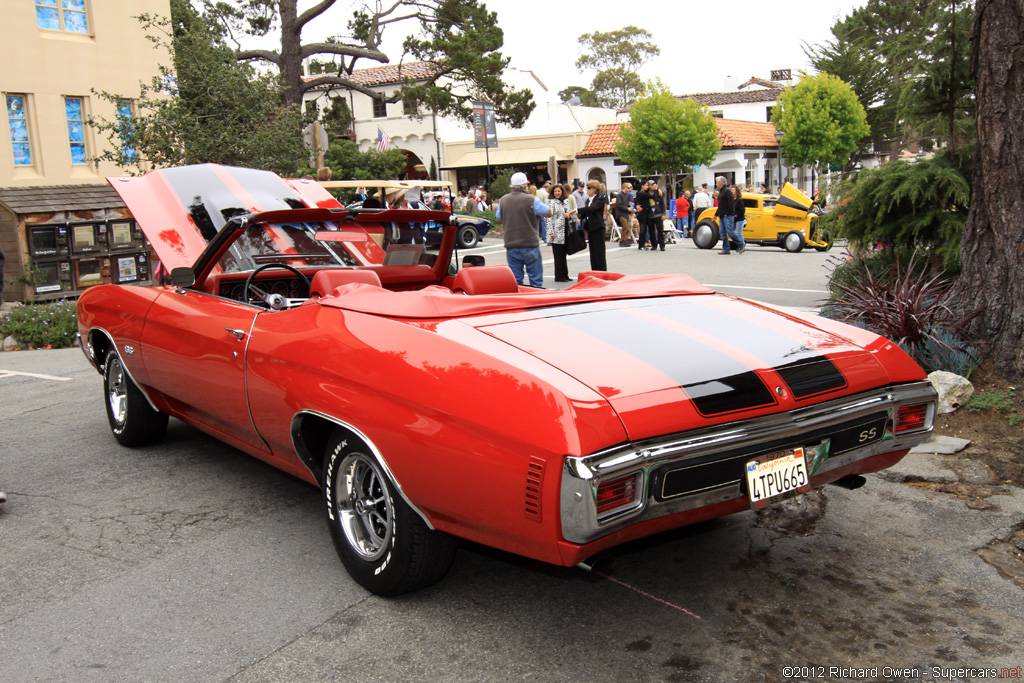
(385, 546)
(132, 420)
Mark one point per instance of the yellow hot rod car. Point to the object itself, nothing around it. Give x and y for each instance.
(772, 221)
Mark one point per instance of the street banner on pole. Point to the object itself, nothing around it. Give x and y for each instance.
(485, 133)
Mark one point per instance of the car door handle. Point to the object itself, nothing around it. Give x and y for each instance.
(237, 334)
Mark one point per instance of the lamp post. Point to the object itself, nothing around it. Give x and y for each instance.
(778, 139)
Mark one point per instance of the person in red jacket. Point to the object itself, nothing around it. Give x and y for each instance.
(683, 214)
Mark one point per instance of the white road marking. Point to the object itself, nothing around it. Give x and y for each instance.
(14, 373)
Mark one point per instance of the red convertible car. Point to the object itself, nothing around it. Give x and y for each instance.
(431, 404)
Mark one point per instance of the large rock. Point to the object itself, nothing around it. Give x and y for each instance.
(9, 344)
(954, 390)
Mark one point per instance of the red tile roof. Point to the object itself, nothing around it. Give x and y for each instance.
(735, 133)
(386, 74)
(754, 80)
(602, 141)
(731, 133)
(712, 99)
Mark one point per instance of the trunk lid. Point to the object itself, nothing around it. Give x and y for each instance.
(669, 364)
(792, 203)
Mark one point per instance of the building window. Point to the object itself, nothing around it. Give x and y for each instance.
(126, 129)
(380, 109)
(76, 128)
(17, 120)
(717, 113)
(62, 15)
(409, 108)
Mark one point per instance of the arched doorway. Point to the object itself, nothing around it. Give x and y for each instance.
(414, 169)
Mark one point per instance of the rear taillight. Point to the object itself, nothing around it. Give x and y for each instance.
(616, 493)
(912, 418)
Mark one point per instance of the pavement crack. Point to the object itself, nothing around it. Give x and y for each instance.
(290, 642)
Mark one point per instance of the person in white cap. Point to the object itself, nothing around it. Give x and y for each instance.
(517, 213)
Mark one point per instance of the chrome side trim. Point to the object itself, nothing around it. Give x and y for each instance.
(306, 457)
(128, 372)
(581, 476)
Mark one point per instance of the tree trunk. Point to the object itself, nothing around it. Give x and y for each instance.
(992, 251)
(291, 56)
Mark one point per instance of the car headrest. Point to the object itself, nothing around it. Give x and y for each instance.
(326, 281)
(486, 280)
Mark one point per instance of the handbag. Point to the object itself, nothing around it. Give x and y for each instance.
(575, 241)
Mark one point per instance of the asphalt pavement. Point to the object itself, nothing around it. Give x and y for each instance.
(767, 274)
(190, 561)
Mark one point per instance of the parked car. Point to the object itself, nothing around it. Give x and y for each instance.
(430, 406)
(470, 231)
(783, 221)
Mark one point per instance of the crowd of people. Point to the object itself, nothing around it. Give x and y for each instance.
(531, 215)
(636, 217)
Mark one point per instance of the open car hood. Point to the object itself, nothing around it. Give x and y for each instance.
(792, 203)
(670, 363)
(181, 209)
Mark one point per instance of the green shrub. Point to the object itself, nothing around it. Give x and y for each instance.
(907, 207)
(39, 325)
(1001, 400)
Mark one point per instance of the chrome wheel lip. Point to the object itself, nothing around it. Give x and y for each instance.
(117, 391)
(365, 510)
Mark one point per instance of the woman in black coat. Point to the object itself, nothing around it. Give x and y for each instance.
(592, 215)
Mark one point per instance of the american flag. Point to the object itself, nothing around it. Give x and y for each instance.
(382, 140)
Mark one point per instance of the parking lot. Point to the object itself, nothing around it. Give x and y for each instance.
(190, 561)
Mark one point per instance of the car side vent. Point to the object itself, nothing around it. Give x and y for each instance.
(534, 481)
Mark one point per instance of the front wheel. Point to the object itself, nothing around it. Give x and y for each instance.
(705, 235)
(132, 420)
(793, 242)
(827, 239)
(385, 546)
(468, 237)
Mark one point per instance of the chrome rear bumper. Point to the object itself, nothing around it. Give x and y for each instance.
(725, 448)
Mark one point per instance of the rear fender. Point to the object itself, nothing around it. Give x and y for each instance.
(311, 432)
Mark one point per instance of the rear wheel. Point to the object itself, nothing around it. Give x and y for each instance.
(705, 235)
(793, 242)
(132, 420)
(385, 546)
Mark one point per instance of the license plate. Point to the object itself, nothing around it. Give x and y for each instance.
(774, 475)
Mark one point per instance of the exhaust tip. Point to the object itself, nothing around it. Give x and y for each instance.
(851, 482)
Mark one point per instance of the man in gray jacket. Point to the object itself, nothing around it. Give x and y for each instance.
(518, 213)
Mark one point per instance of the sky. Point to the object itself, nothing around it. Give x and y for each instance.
(702, 43)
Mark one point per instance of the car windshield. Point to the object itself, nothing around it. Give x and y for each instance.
(292, 243)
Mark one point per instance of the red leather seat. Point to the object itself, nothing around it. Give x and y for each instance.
(486, 280)
(326, 281)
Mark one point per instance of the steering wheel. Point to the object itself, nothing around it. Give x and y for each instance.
(272, 301)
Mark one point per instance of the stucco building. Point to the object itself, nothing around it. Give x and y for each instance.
(55, 54)
(548, 142)
(749, 155)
